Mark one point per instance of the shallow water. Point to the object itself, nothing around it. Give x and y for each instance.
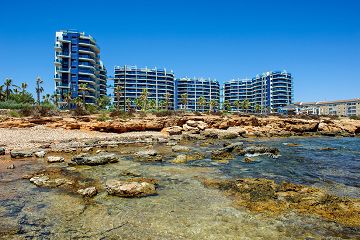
(183, 208)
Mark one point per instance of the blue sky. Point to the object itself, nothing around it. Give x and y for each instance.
(317, 41)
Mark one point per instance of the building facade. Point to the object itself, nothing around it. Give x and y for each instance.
(348, 108)
(77, 61)
(159, 84)
(194, 88)
(267, 92)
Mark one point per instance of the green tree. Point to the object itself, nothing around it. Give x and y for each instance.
(68, 99)
(237, 104)
(152, 104)
(2, 93)
(103, 102)
(167, 100)
(202, 102)
(39, 89)
(213, 104)
(227, 105)
(257, 108)
(144, 98)
(245, 105)
(138, 103)
(83, 89)
(55, 99)
(8, 84)
(128, 104)
(118, 93)
(184, 100)
(162, 104)
(23, 87)
(79, 102)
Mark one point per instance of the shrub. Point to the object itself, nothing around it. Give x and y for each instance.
(121, 114)
(11, 104)
(355, 117)
(165, 113)
(91, 108)
(103, 117)
(14, 113)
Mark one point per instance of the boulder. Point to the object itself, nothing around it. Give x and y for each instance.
(197, 124)
(182, 158)
(40, 154)
(98, 159)
(2, 151)
(175, 130)
(21, 154)
(130, 189)
(55, 159)
(192, 136)
(88, 192)
(260, 149)
(226, 152)
(248, 160)
(239, 130)
(11, 166)
(188, 128)
(178, 148)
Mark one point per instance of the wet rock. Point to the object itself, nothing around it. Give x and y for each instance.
(98, 159)
(192, 136)
(40, 154)
(248, 160)
(11, 166)
(21, 154)
(130, 189)
(130, 173)
(260, 149)
(180, 159)
(46, 145)
(87, 149)
(226, 152)
(55, 159)
(292, 144)
(88, 192)
(178, 148)
(2, 151)
(150, 155)
(220, 133)
(171, 143)
(327, 149)
(45, 181)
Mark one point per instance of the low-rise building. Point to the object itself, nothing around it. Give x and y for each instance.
(350, 107)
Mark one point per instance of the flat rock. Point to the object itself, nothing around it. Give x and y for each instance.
(55, 159)
(21, 154)
(88, 192)
(130, 189)
(178, 148)
(40, 154)
(98, 159)
(45, 181)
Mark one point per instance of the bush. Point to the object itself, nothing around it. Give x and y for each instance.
(11, 104)
(14, 113)
(79, 111)
(91, 108)
(103, 117)
(355, 117)
(165, 113)
(121, 114)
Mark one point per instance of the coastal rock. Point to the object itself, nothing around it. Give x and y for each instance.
(55, 159)
(226, 152)
(192, 136)
(40, 154)
(197, 124)
(180, 159)
(239, 130)
(178, 148)
(248, 160)
(150, 155)
(88, 192)
(45, 181)
(21, 154)
(11, 166)
(175, 130)
(98, 159)
(2, 151)
(188, 128)
(220, 133)
(260, 149)
(130, 189)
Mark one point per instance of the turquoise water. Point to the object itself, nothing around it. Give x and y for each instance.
(183, 208)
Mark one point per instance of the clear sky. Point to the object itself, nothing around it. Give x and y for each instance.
(317, 41)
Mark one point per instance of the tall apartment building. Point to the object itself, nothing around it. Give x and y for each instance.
(350, 107)
(77, 61)
(271, 91)
(133, 80)
(196, 88)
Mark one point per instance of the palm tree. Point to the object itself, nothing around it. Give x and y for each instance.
(162, 104)
(245, 105)
(128, 104)
(138, 103)
(237, 104)
(167, 100)
(68, 99)
(78, 102)
(23, 87)
(184, 100)
(55, 99)
(2, 93)
(39, 89)
(8, 84)
(257, 108)
(152, 104)
(227, 105)
(118, 95)
(202, 102)
(213, 104)
(83, 87)
(143, 97)
(103, 102)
